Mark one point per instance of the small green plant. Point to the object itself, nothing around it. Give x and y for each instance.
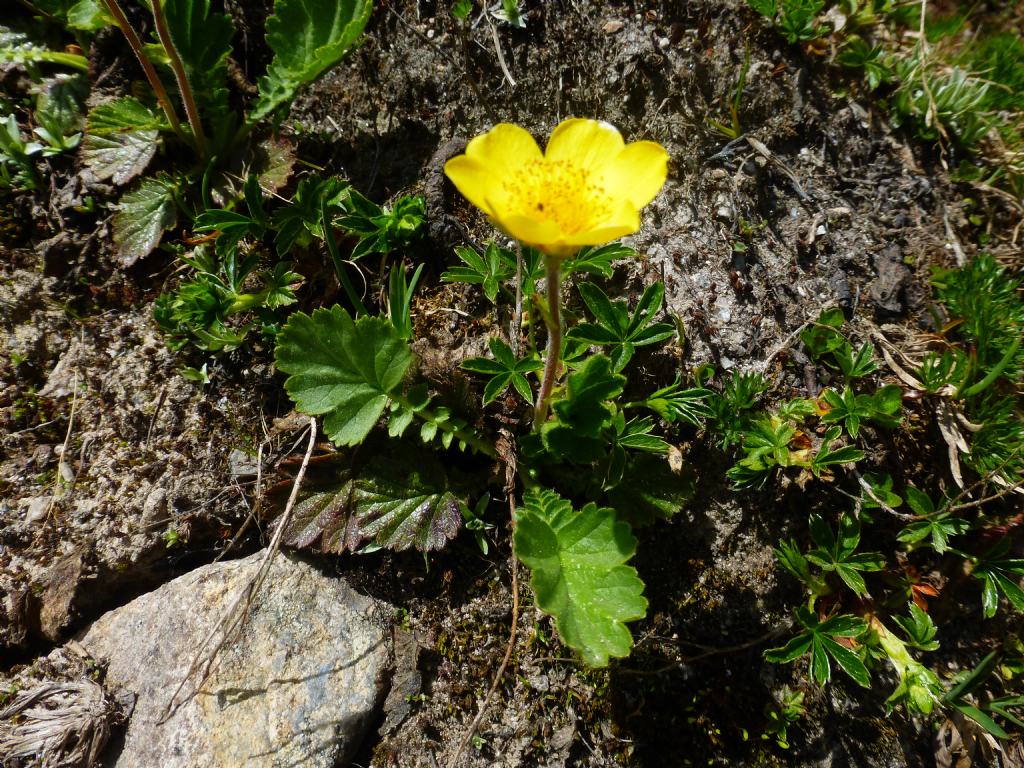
(17, 168)
(615, 328)
(797, 20)
(236, 276)
(788, 712)
(193, 43)
(589, 470)
(504, 370)
(823, 640)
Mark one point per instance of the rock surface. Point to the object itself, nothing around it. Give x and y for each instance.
(298, 687)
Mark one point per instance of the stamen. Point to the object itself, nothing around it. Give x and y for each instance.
(561, 192)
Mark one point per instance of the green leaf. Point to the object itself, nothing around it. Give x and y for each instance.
(489, 270)
(399, 515)
(400, 500)
(341, 368)
(919, 502)
(881, 486)
(848, 661)
(649, 490)
(583, 411)
(855, 366)
(597, 260)
(203, 41)
(982, 719)
(60, 103)
(505, 370)
(579, 576)
(88, 16)
(141, 217)
(766, 8)
(673, 403)
(823, 337)
(827, 456)
(127, 114)
(616, 328)
(584, 407)
(791, 651)
(920, 629)
(818, 639)
(308, 37)
(121, 139)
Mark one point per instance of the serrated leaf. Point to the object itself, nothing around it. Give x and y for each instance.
(584, 407)
(119, 157)
(650, 491)
(121, 139)
(203, 41)
(398, 501)
(307, 38)
(141, 217)
(342, 369)
(579, 576)
(399, 517)
(322, 519)
(127, 114)
(88, 16)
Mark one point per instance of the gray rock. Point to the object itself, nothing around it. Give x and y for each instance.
(298, 687)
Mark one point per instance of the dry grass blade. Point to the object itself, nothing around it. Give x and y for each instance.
(231, 622)
(60, 724)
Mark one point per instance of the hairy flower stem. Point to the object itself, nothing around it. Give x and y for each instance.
(553, 319)
(184, 88)
(147, 67)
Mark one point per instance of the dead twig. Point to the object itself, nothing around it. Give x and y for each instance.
(762, 366)
(497, 49)
(507, 453)
(515, 332)
(256, 502)
(235, 616)
(708, 652)
(64, 449)
(874, 497)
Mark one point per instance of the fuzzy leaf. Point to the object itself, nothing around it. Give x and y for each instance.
(120, 140)
(88, 16)
(307, 37)
(203, 40)
(401, 501)
(579, 574)
(400, 509)
(651, 491)
(342, 368)
(141, 218)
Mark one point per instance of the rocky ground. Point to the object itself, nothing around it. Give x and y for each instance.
(119, 475)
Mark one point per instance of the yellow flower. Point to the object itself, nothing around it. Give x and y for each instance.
(587, 188)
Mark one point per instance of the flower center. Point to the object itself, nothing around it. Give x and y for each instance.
(561, 192)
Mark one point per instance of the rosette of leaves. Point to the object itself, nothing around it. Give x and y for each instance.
(307, 37)
(353, 373)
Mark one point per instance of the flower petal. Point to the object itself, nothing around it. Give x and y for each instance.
(626, 221)
(638, 173)
(531, 231)
(473, 179)
(504, 149)
(587, 144)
